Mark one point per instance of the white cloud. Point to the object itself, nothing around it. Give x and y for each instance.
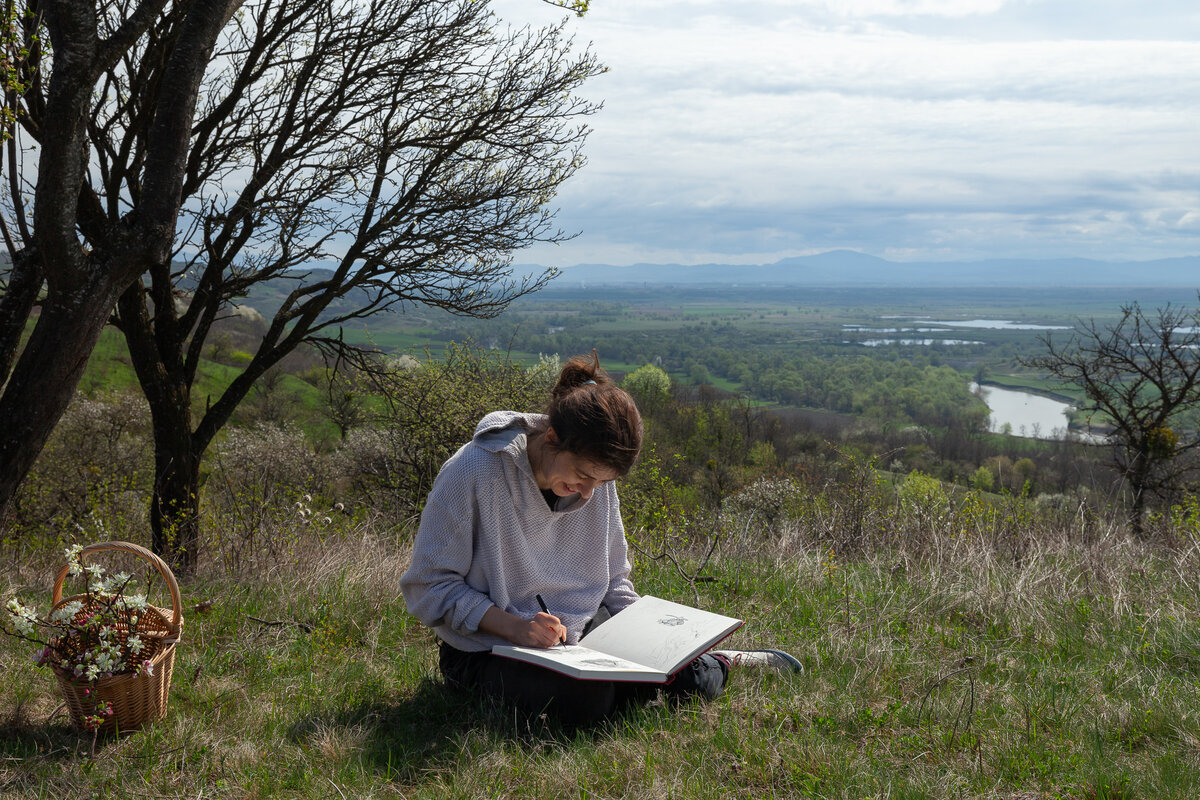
(745, 130)
(940, 8)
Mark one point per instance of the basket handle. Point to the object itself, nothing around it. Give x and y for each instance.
(144, 554)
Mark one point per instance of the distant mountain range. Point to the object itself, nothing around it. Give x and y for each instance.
(849, 268)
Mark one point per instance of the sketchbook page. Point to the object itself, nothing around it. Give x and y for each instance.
(660, 634)
(582, 662)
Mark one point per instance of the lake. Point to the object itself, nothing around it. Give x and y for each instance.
(926, 325)
(1030, 415)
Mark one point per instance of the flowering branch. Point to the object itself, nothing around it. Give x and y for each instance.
(91, 637)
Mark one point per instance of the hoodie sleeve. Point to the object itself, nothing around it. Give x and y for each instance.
(434, 586)
(620, 589)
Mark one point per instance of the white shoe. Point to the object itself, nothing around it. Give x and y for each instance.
(775, 659)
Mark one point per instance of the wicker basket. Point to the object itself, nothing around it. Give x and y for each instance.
(136, 699)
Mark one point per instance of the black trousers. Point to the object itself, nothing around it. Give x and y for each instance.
(537, 690)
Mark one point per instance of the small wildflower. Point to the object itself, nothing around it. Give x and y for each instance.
(95, 720)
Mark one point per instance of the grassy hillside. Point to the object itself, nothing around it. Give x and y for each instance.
(953, 670)
(1011, 641)
(109, 371)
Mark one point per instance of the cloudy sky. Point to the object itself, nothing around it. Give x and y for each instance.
(745, 131)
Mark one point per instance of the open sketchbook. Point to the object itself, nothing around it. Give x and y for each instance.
(648, 641)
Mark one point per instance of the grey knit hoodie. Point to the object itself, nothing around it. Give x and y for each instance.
(487, 537)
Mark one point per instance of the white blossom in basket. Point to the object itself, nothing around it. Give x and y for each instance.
(113, 585)
(95, 574)
(67, 611)
(92, 637)
(133, 602)
(74, 568)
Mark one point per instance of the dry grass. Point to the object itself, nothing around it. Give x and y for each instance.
(940, 662)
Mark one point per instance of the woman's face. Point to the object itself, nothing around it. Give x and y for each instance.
(566, 474)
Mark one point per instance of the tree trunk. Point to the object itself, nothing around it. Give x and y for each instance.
(175, 506)
(45, 377)
(24, 283)
(1137, 511)
(1139, 481)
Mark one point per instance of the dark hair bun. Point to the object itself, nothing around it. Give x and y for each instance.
(580, 371)
(594, 418)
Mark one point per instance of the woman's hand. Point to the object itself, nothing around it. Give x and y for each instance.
(544, 630)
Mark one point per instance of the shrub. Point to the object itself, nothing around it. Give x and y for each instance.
(765, 503)
(96, 465)
(923, 499)
(432, 410)
(261, 483)
(983, 479)
(655, 507)
(262, 464)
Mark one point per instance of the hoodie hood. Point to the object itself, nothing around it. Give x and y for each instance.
(507, 432)
(500, 429)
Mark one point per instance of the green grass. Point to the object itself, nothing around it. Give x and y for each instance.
(726, 385)
(394, 341)
(1033, 381)
(1070, 673)
(109, 368)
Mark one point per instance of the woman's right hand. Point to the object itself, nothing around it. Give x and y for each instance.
(544, 630)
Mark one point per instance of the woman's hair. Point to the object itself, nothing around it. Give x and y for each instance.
(594, 418)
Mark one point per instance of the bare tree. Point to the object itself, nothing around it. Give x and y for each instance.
(1141, 374)
(360, 154)
(75, 244)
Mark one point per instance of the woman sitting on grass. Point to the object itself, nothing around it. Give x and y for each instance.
(529, 507)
